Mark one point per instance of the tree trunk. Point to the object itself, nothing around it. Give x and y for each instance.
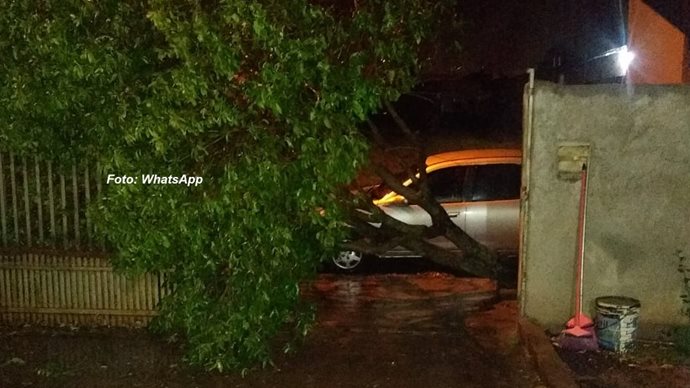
(470, 256)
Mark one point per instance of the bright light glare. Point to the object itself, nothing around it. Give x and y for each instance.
(625, 58)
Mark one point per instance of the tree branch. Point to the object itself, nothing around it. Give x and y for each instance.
(401, 123)
(390, 232)
(378, 139)
(412, 138)
(394, 183)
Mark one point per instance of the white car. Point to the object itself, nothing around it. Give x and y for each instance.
(480, 191)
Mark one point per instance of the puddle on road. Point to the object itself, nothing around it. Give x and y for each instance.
(406, 303)
(397, 287)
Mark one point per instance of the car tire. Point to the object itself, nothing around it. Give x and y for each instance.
(347, 261)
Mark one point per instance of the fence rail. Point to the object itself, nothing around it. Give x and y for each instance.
(56, 290)
(53, 268)
(30, 190)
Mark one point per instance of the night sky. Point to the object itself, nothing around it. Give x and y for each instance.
(504, 38)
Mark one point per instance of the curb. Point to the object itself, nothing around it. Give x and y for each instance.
(552, 370)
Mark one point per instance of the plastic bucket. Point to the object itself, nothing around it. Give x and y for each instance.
(616, 322)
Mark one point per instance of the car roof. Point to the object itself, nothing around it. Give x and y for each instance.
(463, 158)
(470, 157)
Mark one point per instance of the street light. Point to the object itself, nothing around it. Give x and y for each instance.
(624, 58)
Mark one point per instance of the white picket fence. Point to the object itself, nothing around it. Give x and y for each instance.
(53, 268)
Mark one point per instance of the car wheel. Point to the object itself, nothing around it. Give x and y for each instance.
(348, 260)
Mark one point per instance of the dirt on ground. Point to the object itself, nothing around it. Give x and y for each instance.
(400, 331)
(648, 364)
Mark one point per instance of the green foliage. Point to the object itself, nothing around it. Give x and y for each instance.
(260, 98)
(681, 340)
(684, 269)
(682, 334)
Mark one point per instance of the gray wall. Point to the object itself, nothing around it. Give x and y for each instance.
(638, 211)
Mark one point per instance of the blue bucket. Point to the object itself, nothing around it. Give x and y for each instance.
(616, 322)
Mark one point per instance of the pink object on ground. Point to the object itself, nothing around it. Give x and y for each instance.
(579, 334)
(579, 320)
(586, 341)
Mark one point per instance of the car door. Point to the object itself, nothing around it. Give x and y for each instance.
(493, 206)
(447, 185)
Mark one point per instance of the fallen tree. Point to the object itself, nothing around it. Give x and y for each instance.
(261, 99)
(470, 256)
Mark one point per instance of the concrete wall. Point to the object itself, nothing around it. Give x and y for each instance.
(639, 199)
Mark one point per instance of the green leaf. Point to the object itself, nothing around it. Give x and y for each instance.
(261, 99)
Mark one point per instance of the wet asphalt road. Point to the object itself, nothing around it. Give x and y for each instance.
(429, 329)
(374, 330)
